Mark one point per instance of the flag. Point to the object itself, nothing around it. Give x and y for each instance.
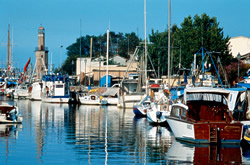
(25, 67)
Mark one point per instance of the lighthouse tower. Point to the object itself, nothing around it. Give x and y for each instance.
(41, 53)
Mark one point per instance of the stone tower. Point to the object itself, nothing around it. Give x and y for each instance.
(41, 53)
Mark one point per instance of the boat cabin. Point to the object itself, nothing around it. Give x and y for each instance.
(207, 105)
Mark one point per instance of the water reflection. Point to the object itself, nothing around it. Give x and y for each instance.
(204, 154)
(153, 141)
(10, 130)
(72, 134)
(8, 137)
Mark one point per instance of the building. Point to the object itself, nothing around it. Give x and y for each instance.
(41, 53)
(240, 45)
(95, 70)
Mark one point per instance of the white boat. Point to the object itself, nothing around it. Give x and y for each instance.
(91, 99)
(111, 96)
(157, 114)
(140, 109)
(129, 100)
(10, 114)
(36, 91)
(22, 91)
(55, 89)
(159, 107)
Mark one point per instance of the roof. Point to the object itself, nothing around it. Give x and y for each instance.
(239, 37)
(111, 92)
(237, 89)
(206, 90)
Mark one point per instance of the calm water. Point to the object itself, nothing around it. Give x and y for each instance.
(70, 134)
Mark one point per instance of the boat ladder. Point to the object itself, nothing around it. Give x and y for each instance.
(213, 134)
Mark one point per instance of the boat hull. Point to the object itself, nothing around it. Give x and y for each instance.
(90, 100)
(56, 99)
(156, 116)
(206, 132)
(139, 110)
(128, 101)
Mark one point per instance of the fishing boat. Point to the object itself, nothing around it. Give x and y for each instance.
(9, 114)
(55, 89)
(204, 117)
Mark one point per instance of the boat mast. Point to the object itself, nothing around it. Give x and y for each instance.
(107, 57)
(169, 25)
(91, 43)
(8, 51)
(51, 65)
(81, 53)
(145, 35)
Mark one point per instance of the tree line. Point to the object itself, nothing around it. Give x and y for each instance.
(193, 33)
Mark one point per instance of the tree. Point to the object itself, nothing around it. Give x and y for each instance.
(119, 44)
(190, 37)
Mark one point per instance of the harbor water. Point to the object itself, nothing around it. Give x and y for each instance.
(80, 134)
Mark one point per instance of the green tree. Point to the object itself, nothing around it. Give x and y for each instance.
(190, 37)
(119, 44)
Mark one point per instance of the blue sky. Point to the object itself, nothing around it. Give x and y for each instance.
(61, 19)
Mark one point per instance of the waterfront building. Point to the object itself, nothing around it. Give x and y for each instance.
(240, 44)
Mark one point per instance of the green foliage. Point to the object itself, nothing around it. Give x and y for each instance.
(186, 40)
(190, 37)
(118, 44)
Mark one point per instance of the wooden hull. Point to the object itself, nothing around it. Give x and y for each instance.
(206, 132)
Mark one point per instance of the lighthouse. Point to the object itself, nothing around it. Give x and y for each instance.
(41, 53)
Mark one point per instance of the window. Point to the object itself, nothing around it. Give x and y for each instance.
(59, 86)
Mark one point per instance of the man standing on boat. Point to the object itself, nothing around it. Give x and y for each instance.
(47, 89)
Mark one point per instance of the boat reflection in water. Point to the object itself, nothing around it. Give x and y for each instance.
(152, 141)
(10, 130)
(181, 152)
(8, 138)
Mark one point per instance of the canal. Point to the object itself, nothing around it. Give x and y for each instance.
(73, 134)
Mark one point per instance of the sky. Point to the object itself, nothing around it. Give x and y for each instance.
(61, 20)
